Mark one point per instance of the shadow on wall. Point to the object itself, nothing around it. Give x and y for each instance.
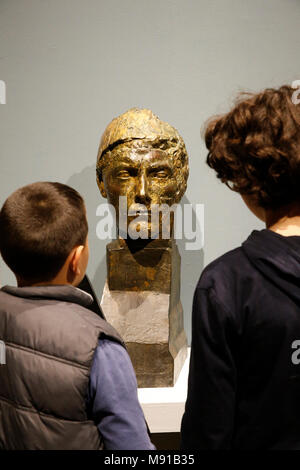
(192, 261)
(85, 183)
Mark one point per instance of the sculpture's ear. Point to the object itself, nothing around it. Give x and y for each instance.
(100, 183)
(102, 188)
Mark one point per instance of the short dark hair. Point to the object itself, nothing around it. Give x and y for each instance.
(255, 148)
(40, 224)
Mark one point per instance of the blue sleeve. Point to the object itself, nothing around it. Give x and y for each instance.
(113, 401)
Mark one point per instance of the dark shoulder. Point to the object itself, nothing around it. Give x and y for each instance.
(226, 272)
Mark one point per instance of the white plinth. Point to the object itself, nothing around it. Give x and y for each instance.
(164, 407)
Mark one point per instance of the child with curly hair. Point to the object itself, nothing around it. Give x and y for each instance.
(244, 380)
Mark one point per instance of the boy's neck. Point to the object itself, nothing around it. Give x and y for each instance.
(60, 279)
(285, 221)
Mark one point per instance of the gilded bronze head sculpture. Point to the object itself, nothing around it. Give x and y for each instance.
(145, 160)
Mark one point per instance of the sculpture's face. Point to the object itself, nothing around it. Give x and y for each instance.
(143, 160)
(145, 175)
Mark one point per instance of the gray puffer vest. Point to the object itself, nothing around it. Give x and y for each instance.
(50, 338)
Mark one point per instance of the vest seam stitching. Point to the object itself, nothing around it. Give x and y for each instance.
(42, 413)
(49, 356)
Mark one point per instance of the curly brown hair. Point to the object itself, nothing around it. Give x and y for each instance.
(255, 148)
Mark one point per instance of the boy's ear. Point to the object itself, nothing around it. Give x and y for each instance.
(75, 258)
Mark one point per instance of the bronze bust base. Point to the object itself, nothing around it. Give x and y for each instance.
(141, 299)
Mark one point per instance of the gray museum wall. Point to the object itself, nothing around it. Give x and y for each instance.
(70, 66)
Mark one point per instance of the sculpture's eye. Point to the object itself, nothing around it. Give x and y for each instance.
(160, 174)
(123, 174)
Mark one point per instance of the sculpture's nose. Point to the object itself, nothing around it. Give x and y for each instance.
(142, 194)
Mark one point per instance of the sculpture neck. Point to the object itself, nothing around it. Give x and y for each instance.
(141, 244)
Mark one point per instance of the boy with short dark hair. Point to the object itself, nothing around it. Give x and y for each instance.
(244, 380)
(68, 382)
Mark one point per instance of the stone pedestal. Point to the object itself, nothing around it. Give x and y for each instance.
(141, 299)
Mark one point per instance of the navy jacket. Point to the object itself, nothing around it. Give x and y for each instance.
(244, 380)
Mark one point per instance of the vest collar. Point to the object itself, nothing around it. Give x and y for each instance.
(52, 292)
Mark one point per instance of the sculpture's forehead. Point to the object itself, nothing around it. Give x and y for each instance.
(136, 157)
(135, 124)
